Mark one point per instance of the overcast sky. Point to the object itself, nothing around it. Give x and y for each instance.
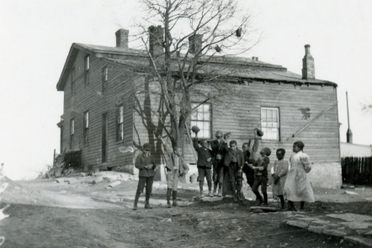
(36, 36)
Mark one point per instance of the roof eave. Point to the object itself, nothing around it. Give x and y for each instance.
(71, 54)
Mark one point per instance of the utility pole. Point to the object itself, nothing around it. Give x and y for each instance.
(349, 134)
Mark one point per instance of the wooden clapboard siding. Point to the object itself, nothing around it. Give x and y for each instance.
(90, 98)
(240, 113)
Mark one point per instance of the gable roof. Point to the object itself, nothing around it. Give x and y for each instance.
(230, 66)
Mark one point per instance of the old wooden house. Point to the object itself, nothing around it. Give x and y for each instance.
(98, 117)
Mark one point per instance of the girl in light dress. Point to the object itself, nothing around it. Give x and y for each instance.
(279, 175)
(297, 185)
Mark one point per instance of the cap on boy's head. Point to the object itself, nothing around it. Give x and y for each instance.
(266, 151)
(146, 147)
(299, 144)
(219, 134)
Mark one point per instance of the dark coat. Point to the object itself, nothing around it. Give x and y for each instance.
(218, 148)
(264, 162)
(229, 156)
(204, 155)
(141, 161)
(246, 169)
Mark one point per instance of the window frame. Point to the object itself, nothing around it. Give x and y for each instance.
(277, 109)
(86, 124)
(120, 124)
(105, 72)
(202, 121)
(86, 69)
(87, 62)
(72, 131)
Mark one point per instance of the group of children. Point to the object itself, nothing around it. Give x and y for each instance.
(224, 165)
(289, 178)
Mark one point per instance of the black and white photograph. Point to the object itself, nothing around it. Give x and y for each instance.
(185, 123)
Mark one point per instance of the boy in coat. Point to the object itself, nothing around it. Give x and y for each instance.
(261, 176)
(233, 162)
(146, 165)
(204, 164)
(219, 148)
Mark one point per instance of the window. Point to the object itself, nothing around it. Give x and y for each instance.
(86, 69)
(104, 78)
(72, 132)
(201, 117)
(270, 123)
(87, 63)
(72, 75)
(120, 123)
(86, 127)
(72, 127)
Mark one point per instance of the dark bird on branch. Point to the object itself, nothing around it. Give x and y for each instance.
(218, 48)
(238, 32)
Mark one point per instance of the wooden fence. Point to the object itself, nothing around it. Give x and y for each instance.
(357, 170)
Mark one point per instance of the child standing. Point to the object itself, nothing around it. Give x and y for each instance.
(204, 164)
(146, 164)
(280, 169)
(261, 175)
(297, 185)
(219, 148)
(248, 171)
(234, 161)
(175, 168)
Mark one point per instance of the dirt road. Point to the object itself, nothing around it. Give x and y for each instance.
(102, 217)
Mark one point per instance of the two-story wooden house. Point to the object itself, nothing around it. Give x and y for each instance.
(99, 118)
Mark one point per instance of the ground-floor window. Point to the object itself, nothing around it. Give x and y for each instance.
(120, 123)
(270, 124)
(72, 132)
(86, 127)
(201, 117)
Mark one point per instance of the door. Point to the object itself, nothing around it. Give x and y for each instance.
(104, 137)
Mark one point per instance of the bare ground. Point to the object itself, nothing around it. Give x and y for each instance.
(83, 215)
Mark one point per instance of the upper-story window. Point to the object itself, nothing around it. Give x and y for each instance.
(270, 123)
(86, 69)
(201, 117)
(120, 123)
(104, 78)
(87, 63)
(86, 127)
(72, 126)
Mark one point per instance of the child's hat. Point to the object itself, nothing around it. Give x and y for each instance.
(266, 151)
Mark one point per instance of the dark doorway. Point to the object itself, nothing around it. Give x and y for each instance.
(104, 137)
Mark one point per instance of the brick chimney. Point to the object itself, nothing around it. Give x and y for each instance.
(195, 43)
(308, 68)
(156, 39)
(122, 38)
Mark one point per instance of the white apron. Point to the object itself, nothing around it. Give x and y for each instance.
(297, 185)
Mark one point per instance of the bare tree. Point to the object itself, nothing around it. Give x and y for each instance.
(192, 34)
